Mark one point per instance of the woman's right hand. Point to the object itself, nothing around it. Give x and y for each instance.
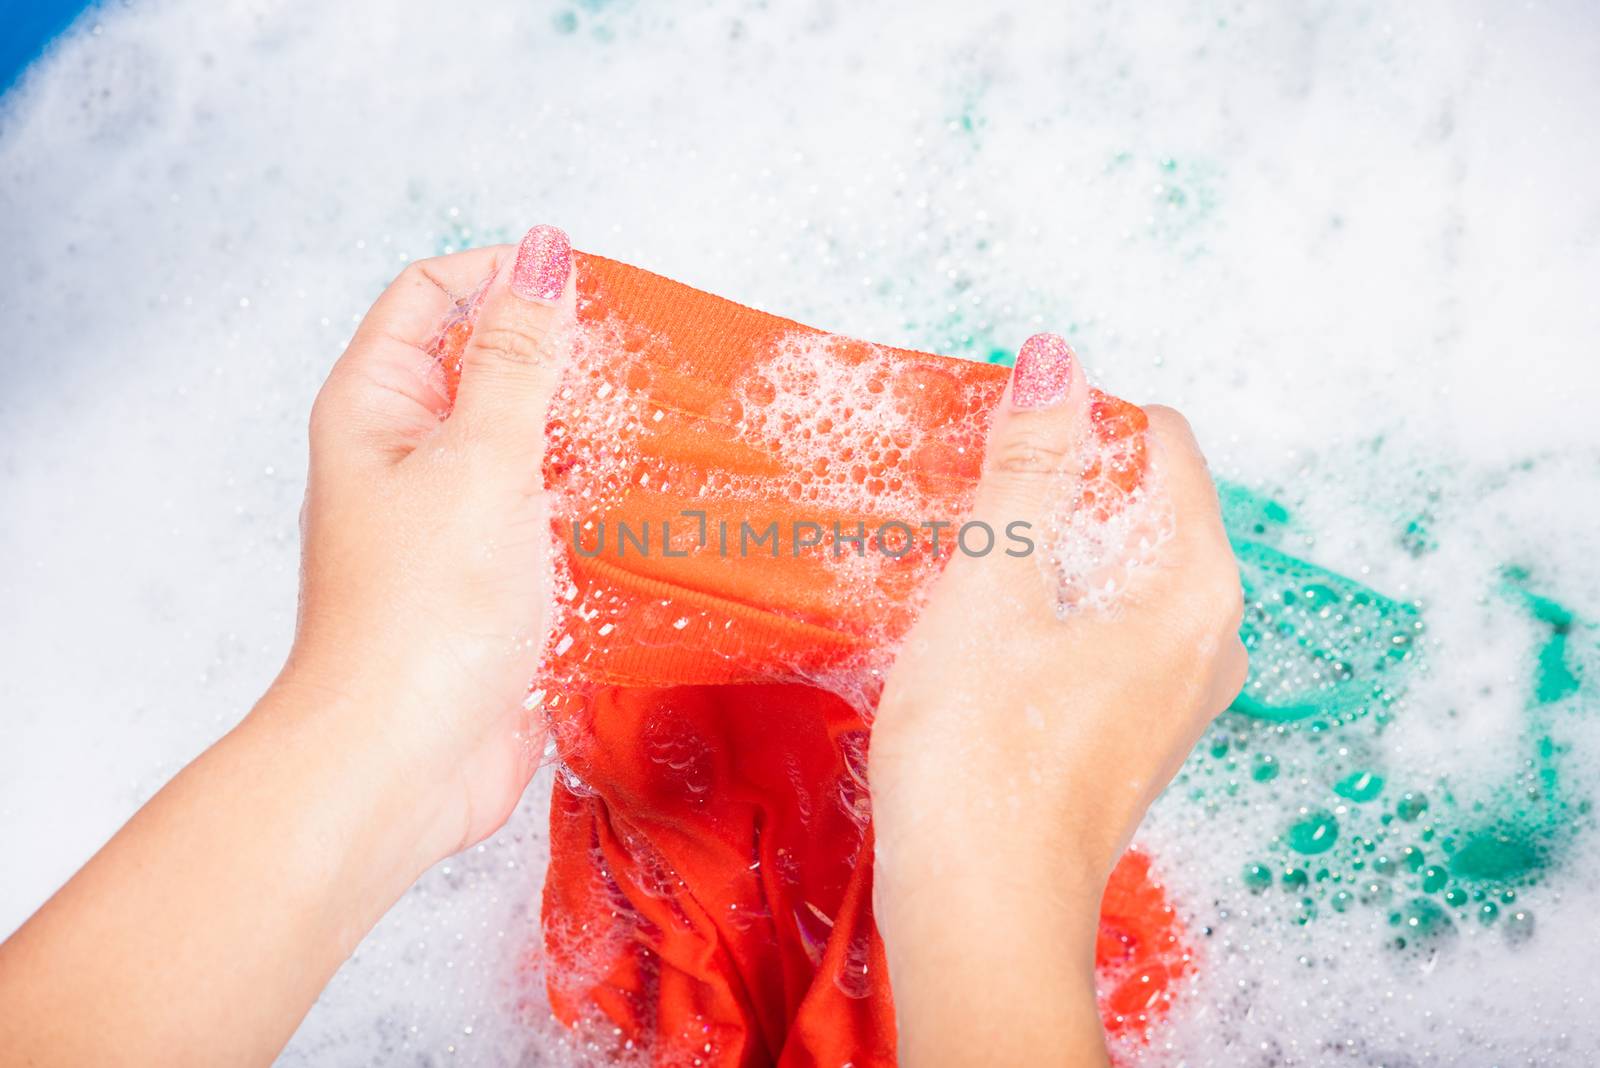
(1016, 748)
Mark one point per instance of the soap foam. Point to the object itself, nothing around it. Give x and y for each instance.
(1350, 248)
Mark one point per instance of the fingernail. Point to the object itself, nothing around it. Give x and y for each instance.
(544, 259)
(1043, 373)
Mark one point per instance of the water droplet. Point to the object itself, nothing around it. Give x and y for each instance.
(1266, 768)
(1315, 832)
(1359, 786)
(1257, 877)
(1411, 806)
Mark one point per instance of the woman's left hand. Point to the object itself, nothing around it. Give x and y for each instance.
(427, 543)
(395, 734)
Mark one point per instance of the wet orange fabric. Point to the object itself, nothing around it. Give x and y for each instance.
(709, 890)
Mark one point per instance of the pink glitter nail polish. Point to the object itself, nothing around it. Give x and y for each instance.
(544, 259)
(1043, 373)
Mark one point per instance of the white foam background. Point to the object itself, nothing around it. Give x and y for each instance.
(1389, 230)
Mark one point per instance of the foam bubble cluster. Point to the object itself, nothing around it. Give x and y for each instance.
(1108, 518)
(856, 423)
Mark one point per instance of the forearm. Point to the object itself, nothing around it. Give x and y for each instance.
(990, 940)
(205, 929)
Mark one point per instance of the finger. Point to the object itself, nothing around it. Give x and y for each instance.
(410, 311)
(385, 393)
(519, 348)
(1179, 468)
(1180, 472)
(1035, 444)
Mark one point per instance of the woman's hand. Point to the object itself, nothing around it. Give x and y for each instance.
(1017, 748)
(427, 544)
(207, 926)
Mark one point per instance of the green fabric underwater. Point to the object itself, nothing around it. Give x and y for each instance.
(1331, 657)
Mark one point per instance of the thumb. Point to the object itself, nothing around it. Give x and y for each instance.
(519, 348)
(1034, 446)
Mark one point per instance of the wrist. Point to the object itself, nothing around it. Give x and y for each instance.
(976, 872)
(362, 773)
(966, 824)
(985, 932)
(948, 769)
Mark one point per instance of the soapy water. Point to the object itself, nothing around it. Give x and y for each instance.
(1419, 874)
(1215, 211)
